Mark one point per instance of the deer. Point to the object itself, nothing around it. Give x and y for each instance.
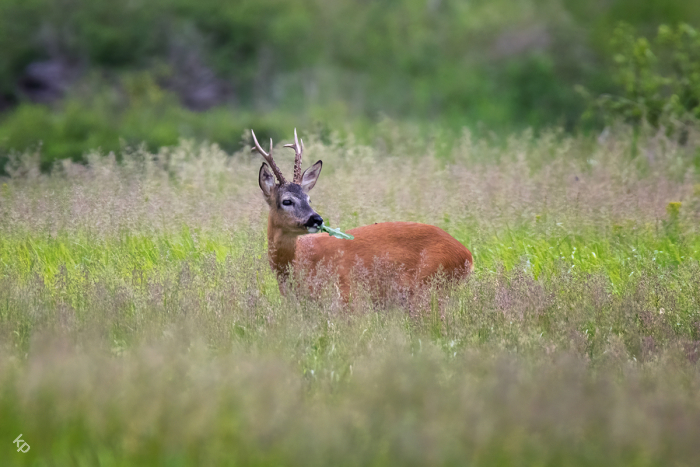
(417, 252)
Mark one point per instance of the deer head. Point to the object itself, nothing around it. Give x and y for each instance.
(290, 210)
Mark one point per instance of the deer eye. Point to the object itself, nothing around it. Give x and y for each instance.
(287, 202)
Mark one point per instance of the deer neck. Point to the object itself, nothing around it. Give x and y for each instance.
(281, 247)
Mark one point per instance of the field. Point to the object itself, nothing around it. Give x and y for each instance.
(140, 323)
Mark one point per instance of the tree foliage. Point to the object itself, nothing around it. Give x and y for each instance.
(659, 80)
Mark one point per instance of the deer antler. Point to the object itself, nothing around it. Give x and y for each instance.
(268, 159)
(298, 150)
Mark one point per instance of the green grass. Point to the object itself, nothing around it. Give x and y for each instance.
(141, 325)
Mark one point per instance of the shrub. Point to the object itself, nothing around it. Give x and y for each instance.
(659, 80)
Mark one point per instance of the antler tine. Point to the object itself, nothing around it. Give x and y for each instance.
(268, 159)
(298, 150)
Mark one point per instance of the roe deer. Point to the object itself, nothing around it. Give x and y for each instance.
(416, 251)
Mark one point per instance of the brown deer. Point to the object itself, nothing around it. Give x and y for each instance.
(417, 252)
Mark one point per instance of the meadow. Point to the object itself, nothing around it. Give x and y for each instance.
(140, 323)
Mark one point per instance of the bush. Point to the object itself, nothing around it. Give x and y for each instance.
(659, 80)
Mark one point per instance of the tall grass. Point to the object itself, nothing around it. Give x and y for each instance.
(141, 325)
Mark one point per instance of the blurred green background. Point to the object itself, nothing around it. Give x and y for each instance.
(76, 75)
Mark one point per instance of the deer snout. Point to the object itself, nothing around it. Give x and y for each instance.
(314, 221)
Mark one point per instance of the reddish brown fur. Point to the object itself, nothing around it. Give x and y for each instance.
(418, 251)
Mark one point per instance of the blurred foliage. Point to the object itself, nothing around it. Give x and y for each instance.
(139, 112)
(500, 64)
(659, 81)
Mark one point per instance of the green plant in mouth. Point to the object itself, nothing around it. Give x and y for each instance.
(336, 232)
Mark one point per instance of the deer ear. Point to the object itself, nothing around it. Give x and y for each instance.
(308, 179)
(266, 181)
